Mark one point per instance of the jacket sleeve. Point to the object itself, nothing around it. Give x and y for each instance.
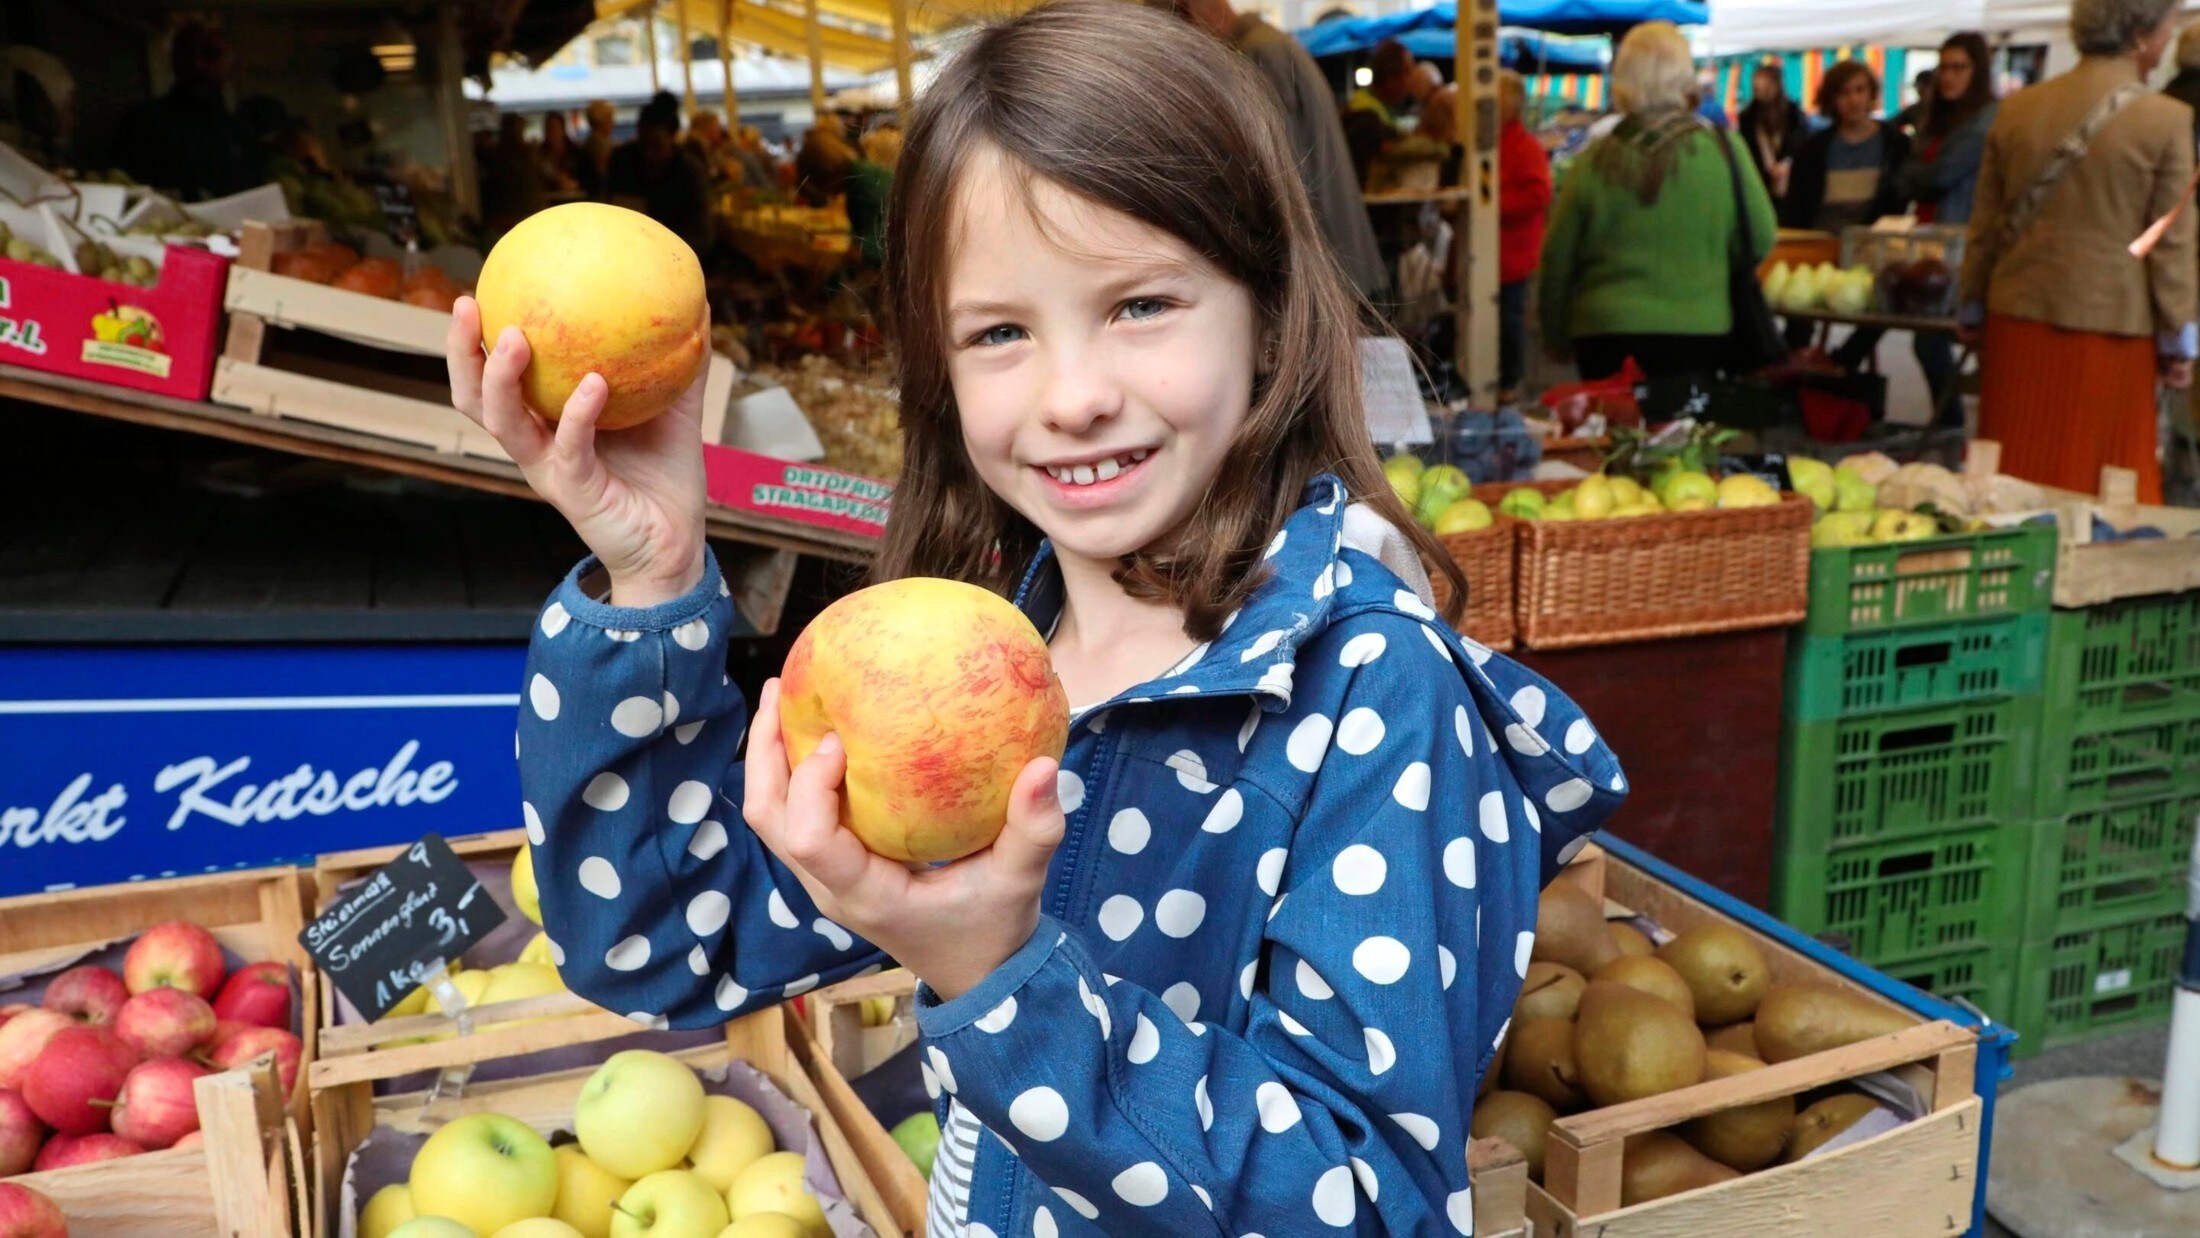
(660, 901)
(1403, 914)
(1764, 224)
(1806, 186)
(2170, 269)
(1524, 182)
(1561, 241)
(1982, 238)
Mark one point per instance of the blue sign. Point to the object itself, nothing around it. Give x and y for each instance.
(122, 763)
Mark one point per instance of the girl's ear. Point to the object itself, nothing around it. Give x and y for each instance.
(1267, 363)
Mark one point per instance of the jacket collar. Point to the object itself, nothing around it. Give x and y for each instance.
(1258, 649)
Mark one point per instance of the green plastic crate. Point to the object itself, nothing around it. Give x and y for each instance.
(1909, 899)
(1917, 771)
(2110, 865)
(1986, 977)
(2079, 985)
(1903, 668)
(2120, 765)
(2124, 662)
(1909, 584)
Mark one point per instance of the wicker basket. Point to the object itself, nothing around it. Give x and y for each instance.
(1602, 582)
(1486, 557)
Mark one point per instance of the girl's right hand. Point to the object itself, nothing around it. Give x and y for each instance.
(635, 497)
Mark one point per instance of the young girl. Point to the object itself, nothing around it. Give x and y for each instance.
(1239, 964)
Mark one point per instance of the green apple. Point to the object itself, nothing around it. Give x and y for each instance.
(1561, 507)
(1626, 491)
(389, 1208)
(1522, 504)
(733, 1136)
(774, 1184)
(1441, 486)
(1901, 526)
(1404, 475)
(639, 1113)
(586, 1192)
(1814, 479)
(525, 895)
(919, 1137)
(484, 1171)
(538, 1227)
(1841, 529)
(1463, 516)
(765, 1225)
(432, 1227)
(672, 1203)
(1688, 484)
(1746, 490)
(1851, 493)
(1593, 498)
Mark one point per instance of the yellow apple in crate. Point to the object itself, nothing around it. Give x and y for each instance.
(484, 1171)
(734, 1136)
(941, 693)
(387, 1209)
(525, 895)
(672, 1203)
(586, 1192)
(433, 1227)
(639, 1113)
(538, 1227)
(765, 1225)
(774, 1184)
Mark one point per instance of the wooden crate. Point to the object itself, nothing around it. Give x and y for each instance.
(327, 360)
(837, 1047)
(255, 914)
(347, 1110)
(237, 1183)
(1918, 1179)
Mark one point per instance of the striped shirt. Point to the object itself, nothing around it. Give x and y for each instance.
(947, 1211)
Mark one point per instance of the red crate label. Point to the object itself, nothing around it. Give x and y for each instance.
(158, 339)
(804, 493)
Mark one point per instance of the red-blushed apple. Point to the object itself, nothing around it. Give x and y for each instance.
(175, 955)
(254, 1041)
(223, 1030)
(21, 1134)
(91, 995)
(76, 1078)
(191, 1140)
(165, 1023)
(11, 1010)
(23, 1039)
(24, 1213)
(62, 1151)
(258, 994)
(156, 1106)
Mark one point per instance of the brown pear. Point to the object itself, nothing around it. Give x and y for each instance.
(1539, 1060)
(1654, 977)
(1628, 1044)
(1569, 929)
(1818, 1124)
(1797, 1020)
(1520, 1120)
(1551, 991)
(1497, 1065)
(1656, 1165)
(1630, 940)
(1724, 969)
(1750, 1137)
(1734, 1038)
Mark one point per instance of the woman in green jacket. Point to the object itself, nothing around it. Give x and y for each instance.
(1636, 260)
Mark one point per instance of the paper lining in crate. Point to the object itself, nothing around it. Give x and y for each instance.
(239, 1178)
(366, 394)
(1911, 1168)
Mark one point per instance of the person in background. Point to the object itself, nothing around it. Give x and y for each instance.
(821, 166)
(649, 174)
(1523, 205)
(1371, 112)
(1708, 104)
(1773, 126)
(188, 141)
(755, 161)
(1636, 260)
(511, 180)
(2185, 87)
(1314, 129)
(870, 189)
(1941, 175)
(1843, 177)
(594, 163)
(1921, 91)
(2076, 333)
(706, 142)
(556, 157)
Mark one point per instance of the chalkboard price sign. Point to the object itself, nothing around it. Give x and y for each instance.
(384, 937)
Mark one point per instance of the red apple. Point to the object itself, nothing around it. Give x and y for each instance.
(258, 994)
(166, 1023)
(157, 1106)
(63, 1151)
(21, 1134)
(77, 1077)
(91, 995)
(22, 1040)
(254, 1041)
(11, 1010)
(24, 1213)
(175, 955)
(192, 1140)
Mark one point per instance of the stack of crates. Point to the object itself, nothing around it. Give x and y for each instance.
(2118, 795)
(1911, 734)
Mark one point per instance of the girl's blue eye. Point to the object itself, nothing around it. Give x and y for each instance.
(1003, 334)
(1144, 307)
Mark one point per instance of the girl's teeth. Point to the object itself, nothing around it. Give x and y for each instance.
(1081, 475)
(1107, 470)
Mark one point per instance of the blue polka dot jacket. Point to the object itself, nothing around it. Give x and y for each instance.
(1282, 937)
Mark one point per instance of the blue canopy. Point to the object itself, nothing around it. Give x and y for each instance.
(1422, 28)
(1520, 51)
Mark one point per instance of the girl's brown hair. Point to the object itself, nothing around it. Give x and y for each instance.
(1837, 79)
(1139, 113)
(1941, 115)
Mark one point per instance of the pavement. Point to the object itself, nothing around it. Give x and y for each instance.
(2136, 1054)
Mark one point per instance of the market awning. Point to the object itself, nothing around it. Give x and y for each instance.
(925, 16)
(1426, 26)
(1774, 25)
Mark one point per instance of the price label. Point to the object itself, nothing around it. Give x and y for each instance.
(400, 215)
(384, 937)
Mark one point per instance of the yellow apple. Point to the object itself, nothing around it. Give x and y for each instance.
(538, 1227)
(484, 1171)
(639, 1113)
(432, 1227)
(734, 1135)
(878, 1011)
(470, 985)
(390, 1207)
(514, 981)
(673, 1203)
(765, 1225)
(586, 1192)
(774, 1184)
(525, 895)
(538, 951)
(1746, 490)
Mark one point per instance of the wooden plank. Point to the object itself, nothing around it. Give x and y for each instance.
(285, 301)
(237, 1124)
(1499, 1176)
(166, 1193)
(901, 1189)
(301, 397)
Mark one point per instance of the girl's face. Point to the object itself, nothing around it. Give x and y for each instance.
(1954, 77)
(1854, 103)
(1101, 367)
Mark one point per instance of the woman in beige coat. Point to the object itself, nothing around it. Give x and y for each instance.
(2074, 332)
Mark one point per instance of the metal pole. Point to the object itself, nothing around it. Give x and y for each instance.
(2177, 1132)
(899, 9)
(817, 60)
(1475, 42)
(687, 56)
(725, 65)
(649, 42)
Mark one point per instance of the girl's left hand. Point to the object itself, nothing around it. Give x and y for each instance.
(951, 925)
